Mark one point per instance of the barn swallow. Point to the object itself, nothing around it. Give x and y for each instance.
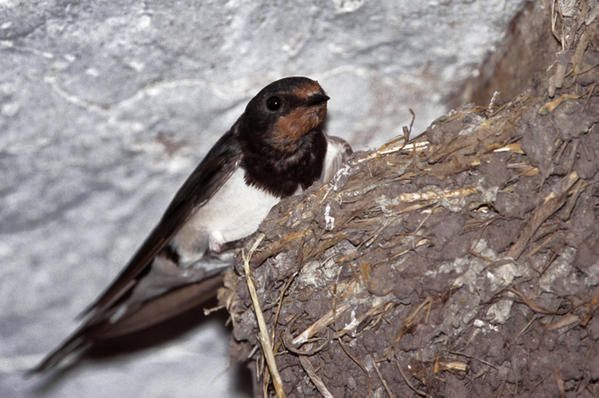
(275, 149)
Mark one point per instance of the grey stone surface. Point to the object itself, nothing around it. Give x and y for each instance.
(106, 106)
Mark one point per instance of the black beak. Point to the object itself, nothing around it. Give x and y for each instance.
(317, 99)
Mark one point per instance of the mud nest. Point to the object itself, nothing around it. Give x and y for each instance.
(462, 263)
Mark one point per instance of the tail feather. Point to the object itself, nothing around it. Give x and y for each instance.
(77, 342)
(142, 316)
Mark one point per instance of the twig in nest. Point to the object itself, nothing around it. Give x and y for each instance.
(531, 304)
(405, 138)
(552, 105)
(560, 382)
(528, 325)
(286, 337)
(412, 387)
(550, 205)
(316, 380)
(323, 322)
(278, 245)
(567, 320)
(389, 147)
(436, 195)
(378, 306)
(407, 131)
(264, 336)
(414, 316)
(515, 147)
(442, 365)
(356, 361)
(421, 242)
(280, 301)
(378, 373)
(208, 311)
(489, 364)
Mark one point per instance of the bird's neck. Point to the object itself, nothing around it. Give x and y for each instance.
(282, 173)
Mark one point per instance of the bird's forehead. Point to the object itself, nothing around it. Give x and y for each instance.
(307, 89)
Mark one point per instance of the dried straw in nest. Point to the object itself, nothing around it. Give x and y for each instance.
(463, 262)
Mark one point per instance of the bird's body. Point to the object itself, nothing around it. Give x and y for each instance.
(275, 149)
(237, 200)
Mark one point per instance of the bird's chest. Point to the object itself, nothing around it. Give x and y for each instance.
(234, 212)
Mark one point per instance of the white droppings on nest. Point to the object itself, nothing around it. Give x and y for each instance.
(308, 275)
(488, 195)
(329, 221)
(459, 265)
(560, 270)
(384, 203)
(454, 205)
(499, 312)
(342, 172)
(316, 274)
(503, 275)
(479, 323)
(473, 126)
(481, 247)
(453, 200)
(353, 323)
(470, 277)
(592, 273)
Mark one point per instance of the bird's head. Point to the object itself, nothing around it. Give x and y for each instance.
(283, 112)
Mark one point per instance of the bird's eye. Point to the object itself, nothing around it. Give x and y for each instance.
(274, 103)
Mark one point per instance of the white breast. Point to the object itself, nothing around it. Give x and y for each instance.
(234, 212)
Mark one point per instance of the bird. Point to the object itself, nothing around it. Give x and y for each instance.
(277, 148)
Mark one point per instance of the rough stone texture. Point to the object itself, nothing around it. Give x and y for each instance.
(105, 107)
(519, 64)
